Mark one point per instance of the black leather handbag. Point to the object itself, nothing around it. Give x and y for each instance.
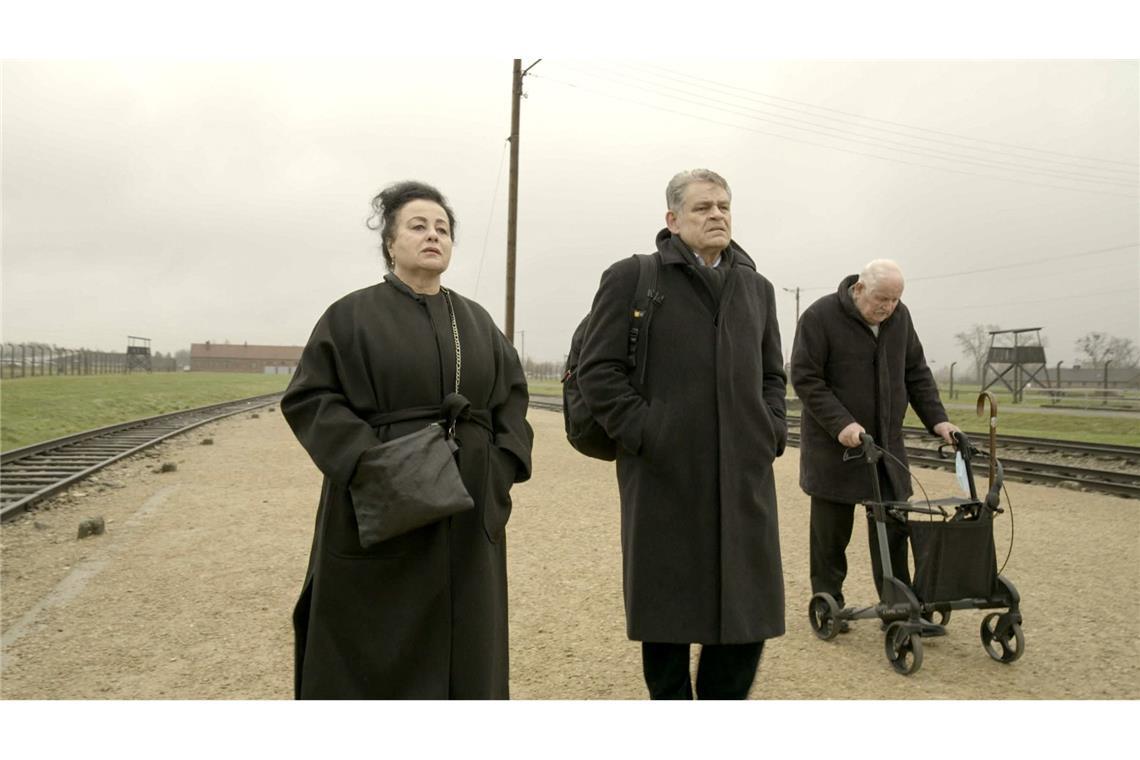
(413, 480)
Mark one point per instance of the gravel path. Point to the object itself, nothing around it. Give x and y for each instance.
(188, 593)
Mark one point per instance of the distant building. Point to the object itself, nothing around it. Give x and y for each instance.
(232, 357)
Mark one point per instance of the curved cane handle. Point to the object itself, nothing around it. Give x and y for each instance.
(982, 398)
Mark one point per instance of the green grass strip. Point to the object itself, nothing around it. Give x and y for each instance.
(1013, 419)
(36, 409)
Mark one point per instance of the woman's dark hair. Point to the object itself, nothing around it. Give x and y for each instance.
(391, 199)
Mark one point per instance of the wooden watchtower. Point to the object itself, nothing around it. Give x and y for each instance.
(1018, 352)
(138, 354)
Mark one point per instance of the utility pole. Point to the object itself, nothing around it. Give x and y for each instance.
(513, 197)
(797, 292)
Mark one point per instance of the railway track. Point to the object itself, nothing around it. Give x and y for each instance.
(1124, 482)
(35, 472)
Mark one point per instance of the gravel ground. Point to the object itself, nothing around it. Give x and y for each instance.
(188, 593)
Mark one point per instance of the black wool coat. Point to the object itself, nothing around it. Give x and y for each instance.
(424, 614)
(700, 540)
(843, 374)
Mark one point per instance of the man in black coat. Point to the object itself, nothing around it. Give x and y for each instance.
(856, 364)
(696, 441)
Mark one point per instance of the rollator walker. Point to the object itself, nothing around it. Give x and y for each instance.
(955, 568)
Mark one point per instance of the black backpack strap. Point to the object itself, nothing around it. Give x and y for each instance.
(645, 298)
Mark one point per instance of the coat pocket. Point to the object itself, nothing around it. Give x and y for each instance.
(654, 425)
(501, 471)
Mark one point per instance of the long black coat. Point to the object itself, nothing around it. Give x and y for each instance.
(843, 374)
(424, 614)
(700, 541)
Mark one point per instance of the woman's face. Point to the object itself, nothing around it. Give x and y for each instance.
(420, 245)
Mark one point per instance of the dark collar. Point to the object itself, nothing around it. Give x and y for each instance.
(848, 303)
(402, 287)
(674, 251)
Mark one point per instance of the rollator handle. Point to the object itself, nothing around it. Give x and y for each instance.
(870, 450)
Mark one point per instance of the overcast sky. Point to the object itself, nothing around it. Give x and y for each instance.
(187, 201)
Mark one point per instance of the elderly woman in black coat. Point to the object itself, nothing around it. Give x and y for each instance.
(422, 614)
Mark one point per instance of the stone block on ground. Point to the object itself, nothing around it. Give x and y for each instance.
(91, 526)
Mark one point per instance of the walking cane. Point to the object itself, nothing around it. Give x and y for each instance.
(993, 427)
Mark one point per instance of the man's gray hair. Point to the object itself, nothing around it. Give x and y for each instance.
(675, 191)
(878, 270)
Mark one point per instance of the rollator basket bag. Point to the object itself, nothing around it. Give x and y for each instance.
(954, 559)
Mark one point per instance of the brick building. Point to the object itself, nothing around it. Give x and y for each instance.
(234, 357)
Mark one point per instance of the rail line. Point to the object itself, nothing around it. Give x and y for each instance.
(1118, 482)
(35, 472)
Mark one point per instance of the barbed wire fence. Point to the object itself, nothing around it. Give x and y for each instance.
(42, 359)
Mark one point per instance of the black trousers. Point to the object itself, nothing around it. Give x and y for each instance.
(725, 671)
(831, 525)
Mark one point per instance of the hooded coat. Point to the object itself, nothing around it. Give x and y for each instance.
(423, 614)
(842, 373)
(700, 539)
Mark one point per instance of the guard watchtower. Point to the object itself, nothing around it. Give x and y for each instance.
(138, 354)
(1020, 352)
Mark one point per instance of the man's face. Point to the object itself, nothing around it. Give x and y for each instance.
(705, 220)
(876, 304)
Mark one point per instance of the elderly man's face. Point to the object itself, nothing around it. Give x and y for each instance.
(878, 303)
(705, 220)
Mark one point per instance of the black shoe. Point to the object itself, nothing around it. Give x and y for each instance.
(844, 626)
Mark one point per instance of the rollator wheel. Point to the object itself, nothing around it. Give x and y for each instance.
(823, 614)
(904, 649)
(1002, 639)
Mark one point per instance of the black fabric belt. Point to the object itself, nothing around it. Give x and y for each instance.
(454, 409)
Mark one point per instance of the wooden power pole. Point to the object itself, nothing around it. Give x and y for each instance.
(513, 200)
(513, 197)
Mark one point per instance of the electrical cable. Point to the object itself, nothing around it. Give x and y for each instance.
(490, 215)
(872, 140)
(1014, 265)
(832, 147)
(1131, 166)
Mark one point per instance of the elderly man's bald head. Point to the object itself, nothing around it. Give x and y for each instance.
(880, 271)
(878, 290)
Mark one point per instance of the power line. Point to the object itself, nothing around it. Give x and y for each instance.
(1014, 265)
(1130, 165)
(690, 115)
(845, 135)
(1023, 263)
(1065, 165)
(490, 215)
(1002, 304)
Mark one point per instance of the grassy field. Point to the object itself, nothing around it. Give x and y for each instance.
(1013, 419)
(1123, 430)
(37, 409)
